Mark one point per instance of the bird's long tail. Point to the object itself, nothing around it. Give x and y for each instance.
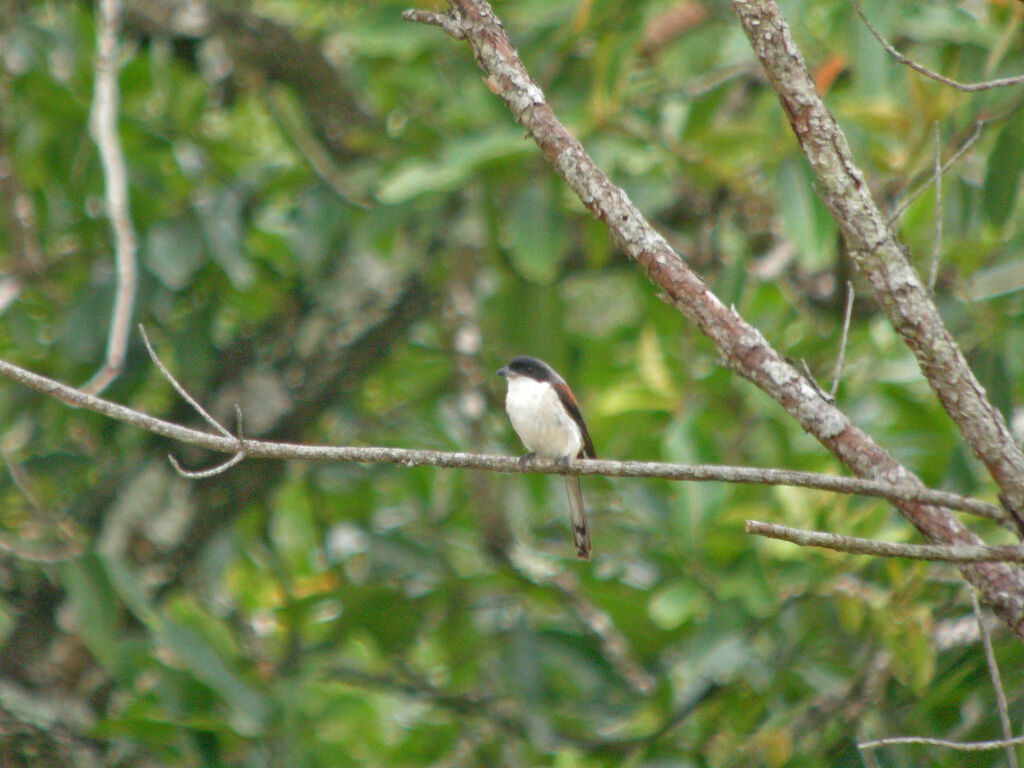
(577, 517)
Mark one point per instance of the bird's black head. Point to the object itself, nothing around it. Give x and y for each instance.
(531, 367)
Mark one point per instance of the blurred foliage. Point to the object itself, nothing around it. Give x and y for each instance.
(342, 230)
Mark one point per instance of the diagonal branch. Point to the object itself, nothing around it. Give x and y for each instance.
(265, 449)
(876, 253)
(742, 347)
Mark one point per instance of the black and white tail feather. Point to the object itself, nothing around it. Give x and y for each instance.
(577, 517)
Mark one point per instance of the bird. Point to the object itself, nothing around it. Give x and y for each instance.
(545, 415)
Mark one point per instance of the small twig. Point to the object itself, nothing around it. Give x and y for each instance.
(201, 474)
(182, 392)
(443, 20)
(997, 683)
(265, 449)
(848, 312)
(975, 135)
(219, 468)
(967, 87)
(933, 270)
(806, 370)
(963, 746)
(103, 124)
(947, 553)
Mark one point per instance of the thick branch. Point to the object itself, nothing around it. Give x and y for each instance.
(266, 449)
(742, 346)
(876, 253)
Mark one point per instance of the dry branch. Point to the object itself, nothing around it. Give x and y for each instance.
(854, 545)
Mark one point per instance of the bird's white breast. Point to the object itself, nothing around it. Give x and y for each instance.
(540, 419)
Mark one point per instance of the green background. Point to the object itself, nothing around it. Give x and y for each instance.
(342, 230)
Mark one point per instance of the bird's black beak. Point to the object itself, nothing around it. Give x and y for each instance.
(503, 371)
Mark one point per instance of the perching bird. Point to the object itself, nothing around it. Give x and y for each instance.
(547, 419)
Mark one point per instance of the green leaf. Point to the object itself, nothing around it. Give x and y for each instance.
(249, 709)
(220, 214)
(95, 606)
(461, 161)
(534, 236)
(677, 603)
(598, 305)
(907, 637)
(1002, 175)
(174, 251)
(806, 222)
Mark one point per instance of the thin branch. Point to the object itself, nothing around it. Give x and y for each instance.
(968, 143)
(182, 392)
(103, 123)
(946, 553)
(847, 314)
(997, 682)
(967, 87)
(259, 449)
(933, 269)
(219, 468)
(806, 370)
(963, 746)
